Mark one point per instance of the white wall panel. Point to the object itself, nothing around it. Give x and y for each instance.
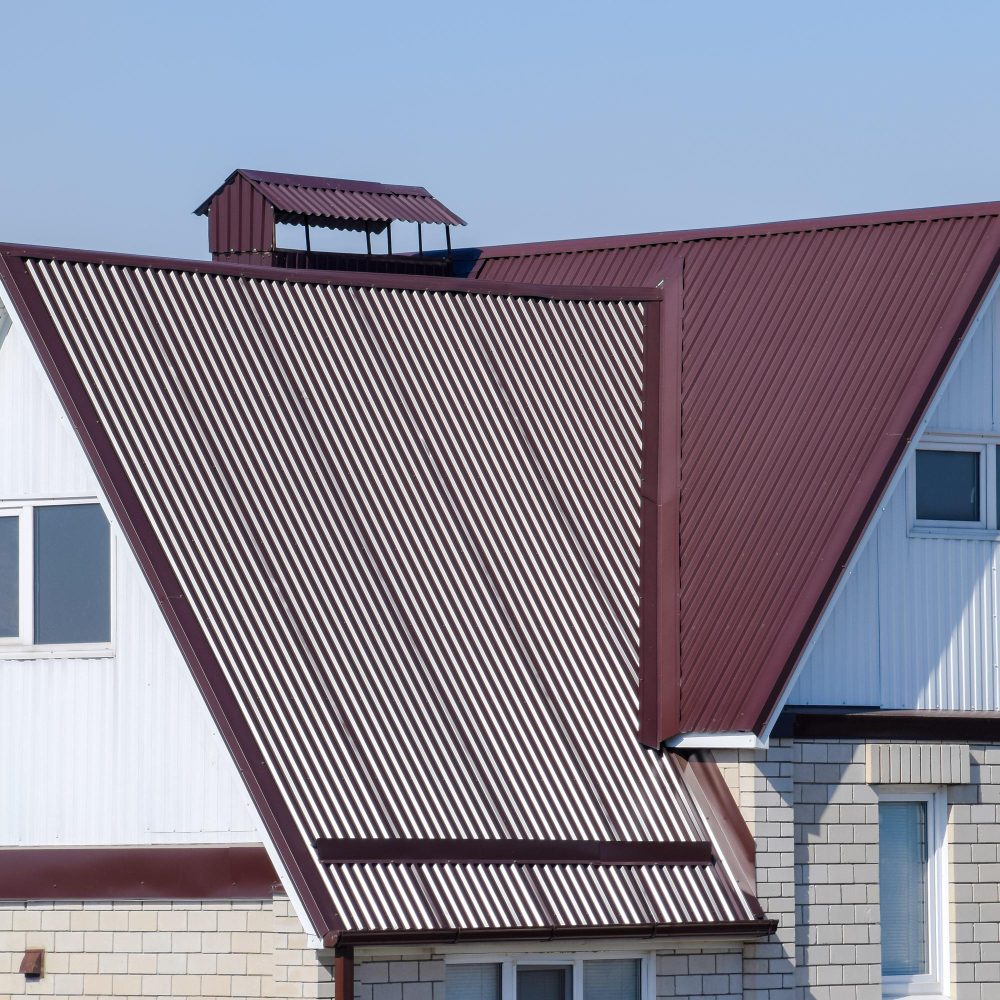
(842, 668)
(914, 625)
(968, 402)
(114, 750)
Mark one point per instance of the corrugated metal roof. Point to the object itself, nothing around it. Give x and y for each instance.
(396, 530)
(332, 201)
(809, 350)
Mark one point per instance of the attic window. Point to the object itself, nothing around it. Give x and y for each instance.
(55, 579)
(953, 487)
(949, 485)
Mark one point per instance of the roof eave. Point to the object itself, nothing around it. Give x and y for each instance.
(737, 930)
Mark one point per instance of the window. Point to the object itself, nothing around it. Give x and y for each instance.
(473, 982)
(539, 982)
(954, 488)
(544, 977)
(912, 894)
(55, 578)
(949, 485)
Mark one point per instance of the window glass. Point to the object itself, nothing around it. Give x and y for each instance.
(947, 485)
(72, 574)
(472, 982)
(903, 880)
(604, 978)
(9, 573)
(541, 983)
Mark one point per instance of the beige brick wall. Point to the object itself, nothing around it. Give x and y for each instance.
(824, 787)
(175, 949)
(691, 973)
(766, 799)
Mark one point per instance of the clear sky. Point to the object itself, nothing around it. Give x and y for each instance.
(533, 120)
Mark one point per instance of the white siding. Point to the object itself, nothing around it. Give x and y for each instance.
(117, 750)
(914, 625)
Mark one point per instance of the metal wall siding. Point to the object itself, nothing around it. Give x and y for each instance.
(407, 523)
(843, 666)
(240, 219)
(136, 760)
(798, 347)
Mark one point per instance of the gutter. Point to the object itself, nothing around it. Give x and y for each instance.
(737, 930)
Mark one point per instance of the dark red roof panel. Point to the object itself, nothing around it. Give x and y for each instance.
(395, 530)
(809, 351)
(332, 199)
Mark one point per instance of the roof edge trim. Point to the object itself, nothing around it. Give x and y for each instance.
(731, 232)
(732, 930)
(659, 526)
(406, 282)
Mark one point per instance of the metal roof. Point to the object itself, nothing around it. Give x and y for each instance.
(332, 202)
(393, 523)
(809, 351)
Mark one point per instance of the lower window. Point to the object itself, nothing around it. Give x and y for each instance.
(913, 893)
(529, 978)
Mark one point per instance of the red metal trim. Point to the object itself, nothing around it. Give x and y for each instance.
(732, 232)
(136, 873)
(708, 787)
(417, 283)
(659, 546)
(736, 930)
(535, 852)
(226, 714)
(976, 727)
(873, 480)
(343, 974)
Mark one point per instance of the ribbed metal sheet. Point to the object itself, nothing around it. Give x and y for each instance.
(407, 523)
(800, 346)
(331, 201)
(496, 897)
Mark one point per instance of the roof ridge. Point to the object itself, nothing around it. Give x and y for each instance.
(360, 279)
(780, 228)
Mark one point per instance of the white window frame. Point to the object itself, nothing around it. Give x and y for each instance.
(23, 646)
(934, 985)
(987, 526)
(509, 964)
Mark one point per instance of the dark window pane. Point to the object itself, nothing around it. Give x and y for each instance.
(947, 485)
(902, 876)
(8, 576)
(472, 982)
(543, 984)
(72, 575)
(611, 977)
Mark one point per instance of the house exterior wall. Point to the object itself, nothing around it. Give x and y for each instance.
(116, 750)
(168, 949)
(698, 973)
(830, 942)
(914, 623)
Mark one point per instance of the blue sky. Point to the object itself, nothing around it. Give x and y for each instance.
(539, 120)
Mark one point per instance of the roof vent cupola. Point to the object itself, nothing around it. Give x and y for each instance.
(244, 210)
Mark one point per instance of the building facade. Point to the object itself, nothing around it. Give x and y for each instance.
(390, 633)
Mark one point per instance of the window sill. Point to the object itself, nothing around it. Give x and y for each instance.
(970, 534)
(96, 651)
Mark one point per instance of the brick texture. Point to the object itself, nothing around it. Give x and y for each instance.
(179, 949)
